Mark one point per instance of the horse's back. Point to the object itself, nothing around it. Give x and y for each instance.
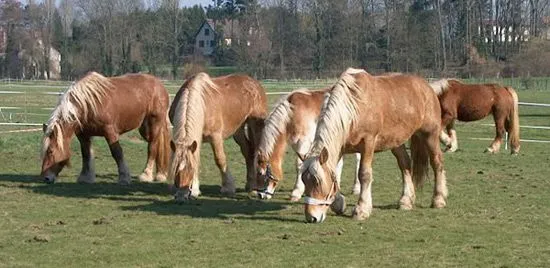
(396, 107)
(133, 98)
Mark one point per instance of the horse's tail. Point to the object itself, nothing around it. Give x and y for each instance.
(163, 150)
(420, 160)
(275, 126)
(440, 86)
(513, 122)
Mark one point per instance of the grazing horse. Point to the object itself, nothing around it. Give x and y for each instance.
(474, 102)
(212, 110)
(293, 121)
(100, 106)
(367, 114)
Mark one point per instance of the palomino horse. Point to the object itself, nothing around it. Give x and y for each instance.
(474, 102)
(213, 110)
(101, 106)
(367, 114)
(293, 120)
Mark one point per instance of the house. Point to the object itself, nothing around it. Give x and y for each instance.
(205, 39)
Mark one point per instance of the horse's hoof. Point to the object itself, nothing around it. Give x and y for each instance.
(339, 205)
(85, 179)
(356, 190)
(161, 177)
(144, 177)
(228, 190)
(124, 182)
(405, 206)
(439, 202)
(359, 214)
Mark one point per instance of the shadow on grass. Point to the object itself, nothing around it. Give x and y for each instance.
(211, 204)
(216, 208)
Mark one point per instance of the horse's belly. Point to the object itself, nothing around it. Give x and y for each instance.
(471, 114)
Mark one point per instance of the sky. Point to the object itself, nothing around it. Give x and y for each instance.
(185, 3)
(204, 3)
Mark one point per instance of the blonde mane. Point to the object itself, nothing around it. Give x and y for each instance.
(277, 121)
(81, 100)
(441, 85)
(188, 120)
(339, 112)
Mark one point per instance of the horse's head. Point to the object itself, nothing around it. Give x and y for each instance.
(321, 187)
(264, 177)
(56, 152)
(184, 168)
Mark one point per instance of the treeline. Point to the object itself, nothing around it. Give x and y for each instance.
(277, 38)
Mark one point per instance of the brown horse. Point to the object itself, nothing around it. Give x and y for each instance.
(474, 102)
(212, 110)
(293, 121)
(101, 106)
(367, 114)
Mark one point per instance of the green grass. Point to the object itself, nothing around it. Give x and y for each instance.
(498, 212)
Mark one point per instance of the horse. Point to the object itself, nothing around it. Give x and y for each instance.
(292, 121)
(100, 106)
(471, 102)
(367, 114)
(211, 110)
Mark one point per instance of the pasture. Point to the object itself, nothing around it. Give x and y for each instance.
(498, 211)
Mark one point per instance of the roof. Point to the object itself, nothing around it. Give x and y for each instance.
(209, 23)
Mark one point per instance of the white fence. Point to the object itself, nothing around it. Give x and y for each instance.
(61, 88)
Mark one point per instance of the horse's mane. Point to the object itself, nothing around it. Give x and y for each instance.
(81, 100)
(339, 112)
(277, 121)
(188, 118)
(441, 85)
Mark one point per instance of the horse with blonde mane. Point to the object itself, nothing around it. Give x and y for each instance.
(472, 102)
(367, 114)
(293, 121)
(100, 106)
(211, 110)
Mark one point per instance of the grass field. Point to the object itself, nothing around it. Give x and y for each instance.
(498, 212)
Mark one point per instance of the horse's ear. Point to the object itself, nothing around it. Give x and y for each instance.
(193, 147)
(44, 127)
(173, 146)
(323, 157)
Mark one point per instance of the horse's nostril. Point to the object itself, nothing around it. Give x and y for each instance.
(49, 180)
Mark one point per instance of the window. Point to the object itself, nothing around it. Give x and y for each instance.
(206, 32)
(201, 43)
(212, 43)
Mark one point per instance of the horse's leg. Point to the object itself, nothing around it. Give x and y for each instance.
(363, 208)
(404, 162)
(228, 182)
(123, 170)
(247, 151)
(357, 185)
(447, 124)
(146, 132)
(452, 135)
(87, 174)
(254, 129)
(436, 161)
(339, 204)
(500, 120)
(301, 148)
